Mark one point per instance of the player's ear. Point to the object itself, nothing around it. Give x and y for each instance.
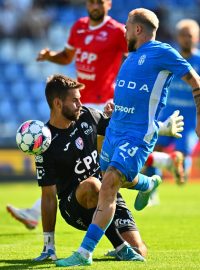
(57, 103)
(139, 29)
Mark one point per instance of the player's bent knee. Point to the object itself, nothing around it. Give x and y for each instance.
(87, 192)
(91, 184)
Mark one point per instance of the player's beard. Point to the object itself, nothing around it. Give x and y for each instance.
(69, 114)
(96, 16)
(132, 45)
(186, 50)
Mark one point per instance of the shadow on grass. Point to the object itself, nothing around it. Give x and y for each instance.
(104, 259)
(25, 264)
(18, 234)
(28, 264)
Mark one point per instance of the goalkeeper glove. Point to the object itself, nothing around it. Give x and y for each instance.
(172, 126)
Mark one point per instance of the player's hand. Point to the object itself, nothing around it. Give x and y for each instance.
(108, 109)
(47, 253)
(173, 126)
(43, 55)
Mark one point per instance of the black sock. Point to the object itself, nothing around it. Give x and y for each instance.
(113, 236)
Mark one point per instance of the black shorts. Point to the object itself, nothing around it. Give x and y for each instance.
(80, 218)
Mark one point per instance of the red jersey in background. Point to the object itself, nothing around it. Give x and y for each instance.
(99, 52)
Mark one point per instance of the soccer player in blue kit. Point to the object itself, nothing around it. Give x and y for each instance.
(180, 97)
(140, 94)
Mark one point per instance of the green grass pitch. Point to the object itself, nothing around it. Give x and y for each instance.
(171, 232)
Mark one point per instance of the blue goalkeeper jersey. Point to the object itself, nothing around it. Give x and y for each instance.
(142, 86)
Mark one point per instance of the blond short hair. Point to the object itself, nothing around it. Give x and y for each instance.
(188, 23)
(145, 17)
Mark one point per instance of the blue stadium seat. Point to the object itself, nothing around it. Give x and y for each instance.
(19, 90)
(153, 4)
(25, 51)
(9, 132)
(68, 70)
(57, 35)
(26, 110)
(119, 4)
(33, 71)
(43, 111)
(47, 69)
(66, 15)
(7, 50)
(80, 11)
(37, 90)
(7, 110)
(13, 71)
(187, 3)
(3, 90)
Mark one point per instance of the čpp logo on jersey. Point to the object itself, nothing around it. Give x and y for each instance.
(141, 60)
(84, 56)
(88, 39)
(79, 143)
(87, 163)
(86, 128)
(120, 222)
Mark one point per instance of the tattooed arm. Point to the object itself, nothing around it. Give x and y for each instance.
(193, 79)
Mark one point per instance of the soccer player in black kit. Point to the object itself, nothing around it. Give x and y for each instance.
(70, 169)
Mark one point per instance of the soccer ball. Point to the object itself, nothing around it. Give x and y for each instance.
(33, 137)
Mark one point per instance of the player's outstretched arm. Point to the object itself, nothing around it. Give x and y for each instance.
(193, 79)
(173, 126)
(64, 57)
(49, 210)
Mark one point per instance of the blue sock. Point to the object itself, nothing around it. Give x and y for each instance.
(149, 171)
(92, 237)
(143, 183)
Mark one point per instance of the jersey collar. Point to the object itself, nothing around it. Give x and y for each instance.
(146, 44)
(92, 28)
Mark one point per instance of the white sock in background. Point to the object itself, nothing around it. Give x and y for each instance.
(36, 208)
(161, 160)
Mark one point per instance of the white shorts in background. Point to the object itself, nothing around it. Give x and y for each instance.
(99, 107)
